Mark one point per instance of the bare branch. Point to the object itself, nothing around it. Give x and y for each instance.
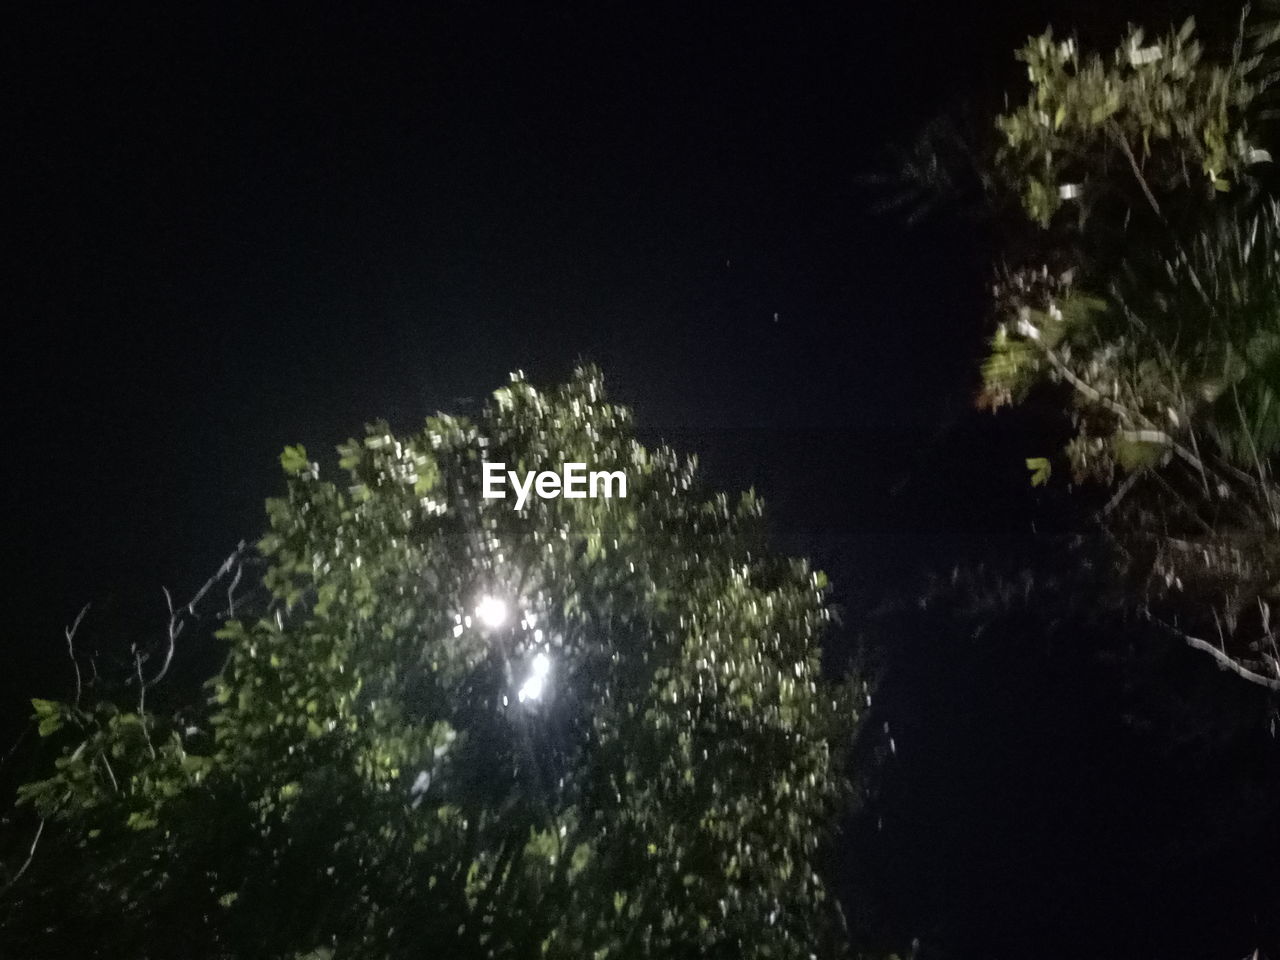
(1122, 492)
(1149, 433)
(1224, 660)
(231, 590)
(1118, 135)
(1081, 386)
(142, 702)
(176, 615)
(110, 773)
(175, 628)
(30, 856)
(70, 634)
(142, 683)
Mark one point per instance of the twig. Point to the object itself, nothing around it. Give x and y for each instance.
(70, 634)
(1149, 433)
(175, 628)
(231, 590)
(1125, 487)
(30, 856)
(110, 773)
(1225, 661)
(142, 702)
(1070, 376)
(1118, 135)
(176, 623)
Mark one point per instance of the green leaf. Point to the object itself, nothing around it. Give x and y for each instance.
(1041, 469)
(50, 715)
(294, 459)
(140, 821)
(428, 475)
(351, 455)
(49, 725)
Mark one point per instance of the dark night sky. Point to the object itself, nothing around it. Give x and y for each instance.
(233, 229)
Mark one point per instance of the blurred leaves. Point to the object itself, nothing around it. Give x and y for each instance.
(1146, 306)
(364, 781)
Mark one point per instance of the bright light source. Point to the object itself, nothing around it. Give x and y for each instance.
(533, 685)
(492, 612)
(541, 665)
(531, 689)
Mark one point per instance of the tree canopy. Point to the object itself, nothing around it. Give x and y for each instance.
(1138, 290)
(588, 728)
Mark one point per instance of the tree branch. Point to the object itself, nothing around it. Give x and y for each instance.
(1118, 135)
(1148, 432)
(1224, 660)
(176, 623)
(70, 634)
(27, 862)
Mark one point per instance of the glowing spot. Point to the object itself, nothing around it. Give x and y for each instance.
(541, 665)
(534, 684)
(531, 689)
(492, 612)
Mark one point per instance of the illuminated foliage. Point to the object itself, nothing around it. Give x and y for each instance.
(593, 728)
(1148, 292)
(1160, 105)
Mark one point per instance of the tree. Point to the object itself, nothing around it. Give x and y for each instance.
(1140, 289)
(587, 728)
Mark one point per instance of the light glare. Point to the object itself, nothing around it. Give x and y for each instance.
(492, 612)
(531, 689)
(534, 684)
